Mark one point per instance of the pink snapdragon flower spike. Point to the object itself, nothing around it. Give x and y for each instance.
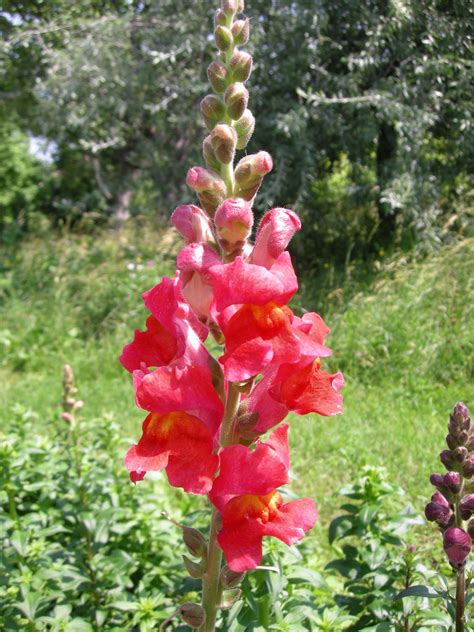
(245, 492)
(193, 224)
(206, 411)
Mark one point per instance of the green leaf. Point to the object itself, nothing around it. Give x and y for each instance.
(418, 591)
(124, 606)
(340, 527)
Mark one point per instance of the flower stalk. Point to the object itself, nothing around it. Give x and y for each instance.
(452, 505)
(206, 416)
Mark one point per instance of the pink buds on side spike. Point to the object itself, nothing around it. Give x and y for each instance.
(457, 546)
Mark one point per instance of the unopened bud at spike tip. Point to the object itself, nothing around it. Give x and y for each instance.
(230, 7)
(212, 110)
(224, 142)
(244, 127)
(236, 98)
(217, 75)
(220, 18)
(223, 38)
(241, 31)
(193, 614)
(209, 154)
(241, 66)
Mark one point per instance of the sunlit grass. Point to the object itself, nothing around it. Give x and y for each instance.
(405, 346)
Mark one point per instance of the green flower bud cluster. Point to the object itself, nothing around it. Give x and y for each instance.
(225, 113)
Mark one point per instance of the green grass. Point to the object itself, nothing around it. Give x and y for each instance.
(405, 345)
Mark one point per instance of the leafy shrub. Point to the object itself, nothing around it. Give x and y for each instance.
(376, 562)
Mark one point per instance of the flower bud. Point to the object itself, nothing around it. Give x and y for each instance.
(234, 221)
(244, 128)
(451, 441)
(220, 18)
(273, 235)
(217, 75)
(247, 422)
(457, 546)
(468, 467)
(229, 598)
(438, 513)
(230, 578)
(241, 31)
(241, 66)
(192, 223)
(230, 7)
(195, 542)
(470, 528)
(460, 453)
(447, 459)
(194, 568)
(212, 110)
(236, 98)
(223, 38)
(466, 506)
(249, 173)
(193, 262)
(193, 614)
(459, 419)
(224, 142)
(438, 481)
(209, 186)
(452, 481)
(67, 417)
(209, 154)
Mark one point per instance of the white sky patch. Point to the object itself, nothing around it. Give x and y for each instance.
(42, 148)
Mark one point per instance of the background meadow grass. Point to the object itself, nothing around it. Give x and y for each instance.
(404, 342)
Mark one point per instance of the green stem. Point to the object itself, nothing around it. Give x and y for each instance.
(460, 597)
(210, 581)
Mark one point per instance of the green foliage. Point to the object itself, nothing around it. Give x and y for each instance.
(82, 550)
(375, 560)
(21, 179)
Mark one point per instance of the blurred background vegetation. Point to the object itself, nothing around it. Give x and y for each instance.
(365, 106)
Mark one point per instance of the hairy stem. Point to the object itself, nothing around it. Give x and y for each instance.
(210, 581)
